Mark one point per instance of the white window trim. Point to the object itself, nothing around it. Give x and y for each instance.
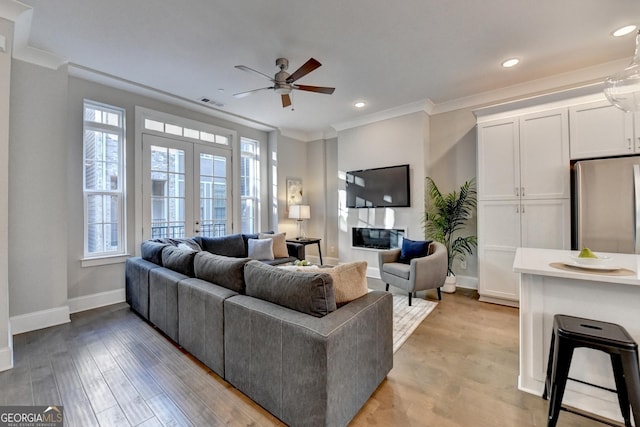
(142, 113)
(256, 157)
(103, 258)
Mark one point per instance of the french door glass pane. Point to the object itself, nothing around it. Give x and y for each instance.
(213, 213)
(168, 192)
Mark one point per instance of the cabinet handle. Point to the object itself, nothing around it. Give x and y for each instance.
(629, 142)
(517, 192)
(522, 191)
(522, 208)
(517, 209)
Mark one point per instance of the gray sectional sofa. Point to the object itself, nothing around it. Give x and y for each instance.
(273, 333)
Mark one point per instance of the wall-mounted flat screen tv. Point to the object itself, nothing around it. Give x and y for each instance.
(379, 187)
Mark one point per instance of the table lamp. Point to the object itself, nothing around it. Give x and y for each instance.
(299, 213)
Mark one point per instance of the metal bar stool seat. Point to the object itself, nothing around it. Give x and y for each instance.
(571, 332)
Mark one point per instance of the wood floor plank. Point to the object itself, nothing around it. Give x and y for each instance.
(458, 369)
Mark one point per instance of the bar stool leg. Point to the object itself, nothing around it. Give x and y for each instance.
(562, 355)
(547, 380)
(632, 380)
(621, 388)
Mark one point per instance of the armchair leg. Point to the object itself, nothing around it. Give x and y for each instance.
(386, 288)
(439, 294)
(409, 299)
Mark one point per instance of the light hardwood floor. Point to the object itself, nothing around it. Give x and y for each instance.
(108, 367)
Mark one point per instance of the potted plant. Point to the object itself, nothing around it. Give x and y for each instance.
(444, 216)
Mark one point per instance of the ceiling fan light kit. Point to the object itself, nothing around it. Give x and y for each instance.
(283, 82)
(623, 89)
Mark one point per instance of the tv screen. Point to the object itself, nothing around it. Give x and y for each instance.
(379, 187)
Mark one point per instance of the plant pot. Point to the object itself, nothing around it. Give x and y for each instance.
(449, 285)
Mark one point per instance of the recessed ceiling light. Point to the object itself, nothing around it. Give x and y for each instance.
(512, 62)
(624, 31)
(360, 104)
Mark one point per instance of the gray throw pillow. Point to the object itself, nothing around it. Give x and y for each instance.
(310, 293)
(223, 271)
(152, 251)
(261, 249)
(179, 260)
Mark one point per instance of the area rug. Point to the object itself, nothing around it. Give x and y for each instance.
(407, 318)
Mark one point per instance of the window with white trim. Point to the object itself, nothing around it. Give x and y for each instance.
(103, 178)
(249, 184)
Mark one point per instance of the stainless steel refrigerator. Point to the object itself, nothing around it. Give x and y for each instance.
(606, 214)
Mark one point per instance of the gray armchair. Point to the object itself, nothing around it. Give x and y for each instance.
(421, 274)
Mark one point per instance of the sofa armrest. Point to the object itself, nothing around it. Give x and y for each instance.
(432, 269)
(296, 250)
(307, 370)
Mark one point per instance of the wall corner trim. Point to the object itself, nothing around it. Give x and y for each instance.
(6, 358)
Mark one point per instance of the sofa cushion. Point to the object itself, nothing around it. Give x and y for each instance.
(152, 251)
(310, 293)
(349, 281)
(230, 245)
(227, 272)
(261, 249)
(279, 244)
(413, 249)
(179, 260)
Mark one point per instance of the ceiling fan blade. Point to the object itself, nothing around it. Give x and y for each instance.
(286, 100)
(251, 70)
(306, 68)
(318, 89)
(249, 92)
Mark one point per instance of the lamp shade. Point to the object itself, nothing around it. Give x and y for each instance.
(299, 212)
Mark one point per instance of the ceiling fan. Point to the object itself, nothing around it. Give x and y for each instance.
(284, 83)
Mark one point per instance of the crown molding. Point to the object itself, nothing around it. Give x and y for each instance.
(424, 105)
(95, 76)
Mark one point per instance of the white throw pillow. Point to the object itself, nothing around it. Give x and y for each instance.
(261, 249)
(349, 281)
(279, 244)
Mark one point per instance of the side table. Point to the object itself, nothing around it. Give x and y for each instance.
(308, 241)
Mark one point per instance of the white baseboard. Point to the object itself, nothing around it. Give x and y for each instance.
(6, 358)
(39, 320)
(101, 299)
(468, 282)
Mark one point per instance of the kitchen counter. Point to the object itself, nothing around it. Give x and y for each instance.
(549, 287)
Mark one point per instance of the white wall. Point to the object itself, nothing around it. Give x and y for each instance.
(292, 163)
(38, 211)
(400, 140)
(6, 356)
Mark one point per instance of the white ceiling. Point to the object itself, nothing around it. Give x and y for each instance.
(436, 53)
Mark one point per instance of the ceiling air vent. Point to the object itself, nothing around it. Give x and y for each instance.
(211, 102)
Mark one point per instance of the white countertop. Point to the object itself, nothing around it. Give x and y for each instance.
(537, 261)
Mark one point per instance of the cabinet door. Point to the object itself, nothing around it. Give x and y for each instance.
(546, 224)
(498, 238)
(498, 160)
(599, 129)
(544, 155)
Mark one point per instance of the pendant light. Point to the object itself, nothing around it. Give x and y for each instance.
(623, 89)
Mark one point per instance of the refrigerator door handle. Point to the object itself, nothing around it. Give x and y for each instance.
(636, 205)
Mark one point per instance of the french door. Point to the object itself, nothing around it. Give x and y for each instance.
(186, 188)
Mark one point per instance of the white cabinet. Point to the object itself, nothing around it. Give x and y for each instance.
(599, 129)
(524, 157)
(523, 195)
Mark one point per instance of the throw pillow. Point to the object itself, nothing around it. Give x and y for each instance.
(178, 260)
(349, 281)
(225, 271)
(261, 249)
(279, 244)
(310, 293)
(413, 249)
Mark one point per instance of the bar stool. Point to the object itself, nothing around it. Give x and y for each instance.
(570, 333)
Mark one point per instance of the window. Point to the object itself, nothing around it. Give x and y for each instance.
(249, 184)
(103, 171)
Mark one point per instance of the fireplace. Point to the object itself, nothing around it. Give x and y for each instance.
(376, 238)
